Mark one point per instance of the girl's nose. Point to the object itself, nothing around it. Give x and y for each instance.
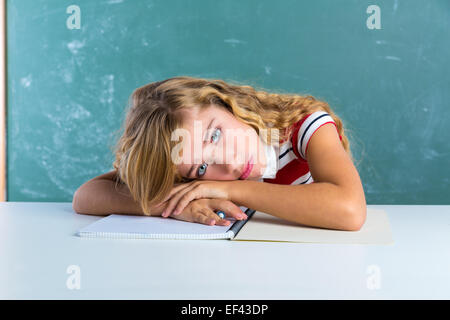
(223, 164)
(226, 171)
(216, 154)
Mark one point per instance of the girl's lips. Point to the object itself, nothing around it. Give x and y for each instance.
(247, 170)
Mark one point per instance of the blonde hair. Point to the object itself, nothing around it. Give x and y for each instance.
(143, 152)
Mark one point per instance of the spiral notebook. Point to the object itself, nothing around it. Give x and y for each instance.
(258, 226)
(139, 227)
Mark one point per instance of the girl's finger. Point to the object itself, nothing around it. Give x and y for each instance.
(174, 200)
(213, 218)
(202, 218)
(177, 189)
(183, 201)
(230, 209)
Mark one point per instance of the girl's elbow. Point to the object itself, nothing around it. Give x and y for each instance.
(80, 202)
(356, 213)
(76, 206)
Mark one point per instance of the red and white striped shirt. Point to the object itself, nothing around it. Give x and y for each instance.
(292, 167)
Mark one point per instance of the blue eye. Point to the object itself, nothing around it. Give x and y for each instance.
(214, 138)
(216, 135)
(202, 169)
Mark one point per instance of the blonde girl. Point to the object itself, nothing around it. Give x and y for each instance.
(193, 146)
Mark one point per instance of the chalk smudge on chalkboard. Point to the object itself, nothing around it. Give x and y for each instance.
(369, 189)
(66, 75)
(26, 81)
(33, 194)
(430, 154)
(63, 116)
(107, 95)
(392, 58)
(75, 45)
(77, 111)
(145, 43)
(234, 42)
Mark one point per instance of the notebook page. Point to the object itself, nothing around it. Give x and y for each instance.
(130, 226)
(265, 227)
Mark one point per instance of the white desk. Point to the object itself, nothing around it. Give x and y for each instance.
(37, 244)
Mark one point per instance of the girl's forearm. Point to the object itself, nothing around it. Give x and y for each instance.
(319, 204)
(103, 197)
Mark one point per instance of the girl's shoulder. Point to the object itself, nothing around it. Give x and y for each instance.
(292, 129)
(302, 130)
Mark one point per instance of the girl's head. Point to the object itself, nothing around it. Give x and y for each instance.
(215, 145)
(186, 128)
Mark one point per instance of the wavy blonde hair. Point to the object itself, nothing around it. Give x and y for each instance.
(143, 152)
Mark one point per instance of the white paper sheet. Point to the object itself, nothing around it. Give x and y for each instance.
(136, 227)
(265, 227)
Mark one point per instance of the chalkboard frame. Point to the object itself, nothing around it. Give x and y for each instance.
(3, 91)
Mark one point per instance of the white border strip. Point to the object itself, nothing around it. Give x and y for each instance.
(3, 86)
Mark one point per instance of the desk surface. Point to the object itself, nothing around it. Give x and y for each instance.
(38, 244)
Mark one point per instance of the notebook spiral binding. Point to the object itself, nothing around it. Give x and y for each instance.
(227, 235)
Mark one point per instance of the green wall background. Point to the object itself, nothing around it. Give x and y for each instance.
(67, 89)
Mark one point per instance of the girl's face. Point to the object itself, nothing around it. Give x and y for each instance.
(220, 146)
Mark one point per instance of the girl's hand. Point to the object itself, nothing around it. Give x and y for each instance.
(181, 195)
(202, 211)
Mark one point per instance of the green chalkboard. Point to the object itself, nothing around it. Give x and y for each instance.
(67, 88)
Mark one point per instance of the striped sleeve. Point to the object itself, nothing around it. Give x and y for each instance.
(307, 128)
